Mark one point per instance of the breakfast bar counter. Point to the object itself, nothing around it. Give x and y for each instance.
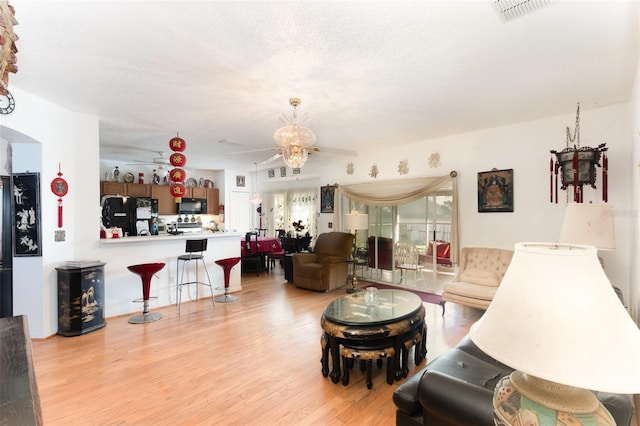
(121, 286)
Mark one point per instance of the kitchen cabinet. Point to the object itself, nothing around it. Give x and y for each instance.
(213, 200)
(197, 192)
(138, 190)
(166, 202)
(113, 188)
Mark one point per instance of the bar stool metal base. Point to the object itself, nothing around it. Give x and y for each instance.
(145, 318)
(227, 298)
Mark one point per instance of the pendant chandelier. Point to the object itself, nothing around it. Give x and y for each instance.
(294, 137)
(256, 199)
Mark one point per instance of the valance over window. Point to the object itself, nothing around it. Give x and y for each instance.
(401, 191)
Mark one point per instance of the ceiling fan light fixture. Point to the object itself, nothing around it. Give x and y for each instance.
(294, 132)
(295, 156)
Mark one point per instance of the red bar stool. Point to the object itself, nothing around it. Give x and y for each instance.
(146, 272)
(227, 265)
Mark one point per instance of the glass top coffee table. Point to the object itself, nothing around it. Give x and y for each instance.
(392, 306)
(397, 318)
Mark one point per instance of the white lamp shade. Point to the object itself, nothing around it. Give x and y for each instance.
(354, 221)
(556, 316)
(589, 224)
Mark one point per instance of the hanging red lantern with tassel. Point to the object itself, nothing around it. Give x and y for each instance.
(577, 166)
(177, 175)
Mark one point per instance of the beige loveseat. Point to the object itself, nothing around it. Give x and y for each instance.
(480, 272)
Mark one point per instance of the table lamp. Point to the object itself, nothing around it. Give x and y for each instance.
(353, 222)
(557, 321)
(589, 224)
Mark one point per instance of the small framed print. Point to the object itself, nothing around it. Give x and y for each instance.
(296, 171)
(495, 191)
(240, 181)
(326, 198)
(283, 171)
(271, 173)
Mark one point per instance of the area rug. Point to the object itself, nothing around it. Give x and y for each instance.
(425, 296)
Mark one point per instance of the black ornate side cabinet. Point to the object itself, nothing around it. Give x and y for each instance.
(80, 298)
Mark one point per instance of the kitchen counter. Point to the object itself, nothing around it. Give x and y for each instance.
(122, 286)
(171, 237)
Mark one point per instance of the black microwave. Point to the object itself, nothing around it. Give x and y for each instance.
(192, 206)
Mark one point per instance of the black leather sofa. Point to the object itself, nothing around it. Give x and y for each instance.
(457, 389)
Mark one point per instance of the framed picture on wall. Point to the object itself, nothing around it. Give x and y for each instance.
(326, 198)
(26, 204)
(240, 181)
(495, 191)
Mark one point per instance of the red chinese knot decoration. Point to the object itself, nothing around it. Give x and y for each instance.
(177, 175)
(577, 166)
(59, 187)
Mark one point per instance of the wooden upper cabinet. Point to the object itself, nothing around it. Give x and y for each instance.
(213, 201)
(166, 202)
(139, 190)
(113, 188)
(197, 192)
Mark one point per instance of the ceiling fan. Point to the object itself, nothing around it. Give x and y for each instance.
(161, 162)
(296, 141)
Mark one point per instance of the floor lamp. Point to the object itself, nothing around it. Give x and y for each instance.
(353, 222)
(556, 320)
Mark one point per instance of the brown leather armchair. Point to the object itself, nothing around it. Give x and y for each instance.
(325, 269)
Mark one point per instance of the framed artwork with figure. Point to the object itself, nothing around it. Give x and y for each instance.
(326, 198)
(495, 191)
(26, 204)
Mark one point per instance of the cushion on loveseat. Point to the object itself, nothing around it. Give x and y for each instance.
(479, 275)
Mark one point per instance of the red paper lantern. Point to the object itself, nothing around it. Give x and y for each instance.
(178, 190)
(177, 159)
(177, 144)
(177, 175)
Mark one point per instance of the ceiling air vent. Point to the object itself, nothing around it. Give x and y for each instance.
(511, 9)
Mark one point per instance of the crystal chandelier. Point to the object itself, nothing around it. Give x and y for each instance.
(294, 137)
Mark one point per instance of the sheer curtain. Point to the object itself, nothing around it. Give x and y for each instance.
(302, 206)
(401, 191)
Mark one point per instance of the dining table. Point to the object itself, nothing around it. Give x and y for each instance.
(265, 245)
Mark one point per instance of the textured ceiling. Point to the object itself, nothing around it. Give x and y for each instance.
(368, 73)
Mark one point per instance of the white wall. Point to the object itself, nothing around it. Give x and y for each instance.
(634, 218)
(44, 136)
(523, 147)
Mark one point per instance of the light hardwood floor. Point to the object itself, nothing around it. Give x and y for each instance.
(252, 362)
